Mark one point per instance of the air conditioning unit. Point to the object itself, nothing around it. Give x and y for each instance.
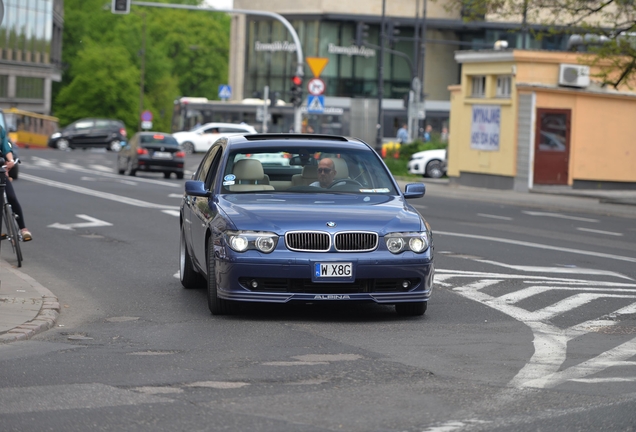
(574, 75)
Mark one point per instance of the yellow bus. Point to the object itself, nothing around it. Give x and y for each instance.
(27, 129)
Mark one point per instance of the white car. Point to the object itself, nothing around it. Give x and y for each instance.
(202, 138)
(429, 163)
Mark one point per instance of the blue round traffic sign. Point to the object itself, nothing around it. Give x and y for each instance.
(146, 116)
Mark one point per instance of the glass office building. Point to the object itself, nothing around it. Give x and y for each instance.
(30, 53)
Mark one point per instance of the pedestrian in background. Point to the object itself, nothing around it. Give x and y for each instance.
(444, 135)
(403, 134)
(427, 133)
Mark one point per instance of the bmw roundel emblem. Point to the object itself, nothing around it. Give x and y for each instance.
(331, 224)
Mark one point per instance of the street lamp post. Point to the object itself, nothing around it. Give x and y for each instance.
(143, 70)
(380, 131)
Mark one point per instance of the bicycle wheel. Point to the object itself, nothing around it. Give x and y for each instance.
(13, 232)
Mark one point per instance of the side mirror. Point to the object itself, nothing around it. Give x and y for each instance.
(196, 188)
(414, 190)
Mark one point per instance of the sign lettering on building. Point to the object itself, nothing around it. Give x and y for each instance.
(275, 46)
(352, 50)
(485, 127)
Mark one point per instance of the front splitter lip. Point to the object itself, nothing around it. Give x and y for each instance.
(380, 298)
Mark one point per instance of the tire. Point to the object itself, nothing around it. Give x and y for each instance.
(12, 233)
(190, 279)
(129, 169)
(217, 305)
(114, 146)
(166, 175)
(411, 309)
(179, 176)
(434, 169)
(62, 144)
(188, 147)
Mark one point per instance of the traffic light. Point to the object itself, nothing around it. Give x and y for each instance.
(362, 33)
(392, 31)
(296, 91)
(120, 6)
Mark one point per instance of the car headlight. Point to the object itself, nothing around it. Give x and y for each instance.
(56, 135)
(416, 242)
(241, 241)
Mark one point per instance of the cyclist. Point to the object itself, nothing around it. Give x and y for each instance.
(7, 153)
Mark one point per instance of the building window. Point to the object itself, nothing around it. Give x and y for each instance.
(479, 87)
(29, 88)
(4, 86)
(504, 84)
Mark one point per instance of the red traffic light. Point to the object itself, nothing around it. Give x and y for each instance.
(296, 80)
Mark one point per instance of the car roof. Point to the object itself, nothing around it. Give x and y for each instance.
(207, 125)
(295, 140)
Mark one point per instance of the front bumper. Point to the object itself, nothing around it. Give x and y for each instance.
(378, 277)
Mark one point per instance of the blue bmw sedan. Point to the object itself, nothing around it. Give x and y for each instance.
(330, 224)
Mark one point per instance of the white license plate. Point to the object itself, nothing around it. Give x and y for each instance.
(162, 155)
(333, 270)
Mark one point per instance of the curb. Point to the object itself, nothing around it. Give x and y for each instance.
(44, 320)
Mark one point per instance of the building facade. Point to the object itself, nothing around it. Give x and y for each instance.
(262, 52)
(30, 53)
(522, 118)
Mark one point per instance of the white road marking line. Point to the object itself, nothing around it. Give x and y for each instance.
(564, 270)
(94, 193)
(177, 275)
(494, 216)
(560, 216)
(603, 380)
(538, 246)
(92, 222)
(600, 232)
(176, 213)
(175, 195)
(543, 370)
(68, 166)
(102, 168)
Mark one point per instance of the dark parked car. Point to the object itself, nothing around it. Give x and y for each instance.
(151, 152)
(252, 232)
(90, 133)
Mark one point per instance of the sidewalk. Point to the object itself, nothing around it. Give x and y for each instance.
(26, 307)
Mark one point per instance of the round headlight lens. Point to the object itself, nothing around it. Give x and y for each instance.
(239, 243)
(56, 135)
(265, 244)
(395, 244)
(417, 244)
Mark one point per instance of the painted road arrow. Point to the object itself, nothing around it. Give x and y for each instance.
(93, 223)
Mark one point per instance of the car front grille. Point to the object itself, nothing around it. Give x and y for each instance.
(307, 286)
(318, 241)
(356, 241)
(308, 241)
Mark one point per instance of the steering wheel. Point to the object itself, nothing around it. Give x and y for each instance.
(344, 181)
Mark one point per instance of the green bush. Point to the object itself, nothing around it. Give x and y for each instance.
(407, 150)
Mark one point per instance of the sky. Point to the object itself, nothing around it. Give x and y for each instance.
(221, 4)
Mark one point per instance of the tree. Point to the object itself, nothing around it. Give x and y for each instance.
(186, 55)
(608, 28)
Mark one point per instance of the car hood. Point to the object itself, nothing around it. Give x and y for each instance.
(427, 154)
(281, 213)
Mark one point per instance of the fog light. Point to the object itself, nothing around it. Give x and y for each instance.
(254, 283)
(406, 284)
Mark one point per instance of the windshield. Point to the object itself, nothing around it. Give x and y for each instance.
(306, 170)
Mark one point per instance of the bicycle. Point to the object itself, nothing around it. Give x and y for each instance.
(9, 218)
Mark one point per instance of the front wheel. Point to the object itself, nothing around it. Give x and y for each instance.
(218, 306)
(189, 277)
(434, 169)
(62, 144)
(13, 233)
(188, 147)
(114, 146)
(411, 309)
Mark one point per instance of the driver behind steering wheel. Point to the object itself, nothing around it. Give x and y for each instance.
(326, 173)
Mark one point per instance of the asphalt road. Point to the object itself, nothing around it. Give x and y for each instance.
(531, 326)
